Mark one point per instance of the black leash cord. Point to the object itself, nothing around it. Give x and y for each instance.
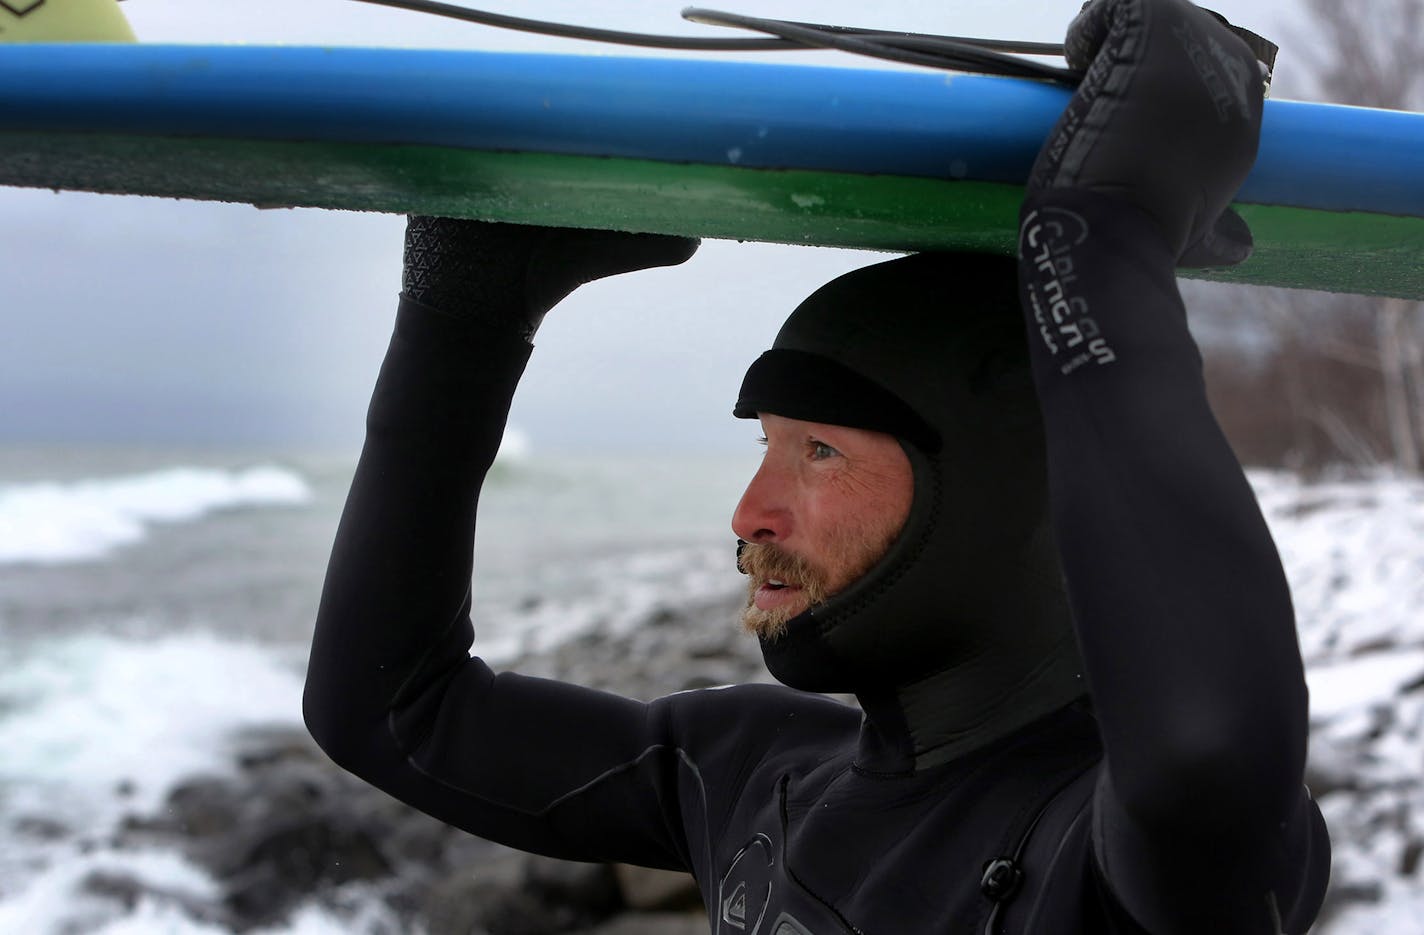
(593, 34)
(955, 53)
(998, 45)
(987, 56)
(913, 48)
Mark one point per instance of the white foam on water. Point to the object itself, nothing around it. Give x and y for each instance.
(82, 716)
(56, 900)
(50, 523)
(96, 728)
(52, 900)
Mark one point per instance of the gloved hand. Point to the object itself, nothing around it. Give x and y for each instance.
(1167, 118)
(510, 275)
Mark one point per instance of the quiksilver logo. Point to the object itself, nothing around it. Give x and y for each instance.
(745, 891)
(734, 907)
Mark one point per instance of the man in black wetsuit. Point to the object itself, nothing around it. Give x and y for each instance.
(1134, 766)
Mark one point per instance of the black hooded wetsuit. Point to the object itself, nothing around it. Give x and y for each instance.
(1174, 804)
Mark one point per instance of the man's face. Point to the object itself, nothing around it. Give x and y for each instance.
(821, 510)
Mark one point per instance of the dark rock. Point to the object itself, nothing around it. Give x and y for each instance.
(202, 808)
(41, 828)
(114, 887)
(592, 889)
(127, 891)
(519, 912)
(456, 903)
(286, 826)
(1409, 860)
(646, 889)
(517, 894)
(1369, 647)
(655, 923)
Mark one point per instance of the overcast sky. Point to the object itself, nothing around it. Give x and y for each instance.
(153, 321)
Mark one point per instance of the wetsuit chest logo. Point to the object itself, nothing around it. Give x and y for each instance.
(745, 890)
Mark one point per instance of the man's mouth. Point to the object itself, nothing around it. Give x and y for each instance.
(775, 593)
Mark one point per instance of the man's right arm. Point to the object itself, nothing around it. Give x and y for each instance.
(1183, 615)
(392, 694)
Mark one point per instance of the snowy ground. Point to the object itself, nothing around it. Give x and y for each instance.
(88, 710)
(1354, 552)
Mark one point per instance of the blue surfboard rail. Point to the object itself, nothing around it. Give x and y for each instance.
(755, 115)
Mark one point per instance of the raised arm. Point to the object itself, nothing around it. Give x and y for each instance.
(391, 693)
(1182, 610)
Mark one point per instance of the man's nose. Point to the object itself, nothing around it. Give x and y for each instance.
(761, 515)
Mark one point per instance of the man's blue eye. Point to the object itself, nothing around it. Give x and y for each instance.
(820, 450)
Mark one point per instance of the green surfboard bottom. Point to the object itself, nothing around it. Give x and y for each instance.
(1300, 248)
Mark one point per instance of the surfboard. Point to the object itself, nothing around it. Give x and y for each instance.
(880, 159)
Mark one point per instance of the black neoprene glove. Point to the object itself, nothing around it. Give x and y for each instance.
(1167, 118)
(510, 275)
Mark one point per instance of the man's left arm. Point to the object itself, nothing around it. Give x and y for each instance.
(1182, 609)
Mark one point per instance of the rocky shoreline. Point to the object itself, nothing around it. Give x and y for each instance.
(287, 828)
(284, 828)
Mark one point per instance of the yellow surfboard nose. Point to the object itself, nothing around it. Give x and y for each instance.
(63, 21)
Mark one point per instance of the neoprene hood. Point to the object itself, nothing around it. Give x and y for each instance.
(961, 633)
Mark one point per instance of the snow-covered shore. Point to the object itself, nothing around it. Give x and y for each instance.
(115, 803)
(1354, 554)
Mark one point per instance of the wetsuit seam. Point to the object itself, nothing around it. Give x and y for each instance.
(786, 861)
(1083, 811)
(867, 773)
(1044, 667)
(427, 728)
(1020, 839)
(560, 800)
(696, 771)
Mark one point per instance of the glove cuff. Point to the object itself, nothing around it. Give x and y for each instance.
(467, 270)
